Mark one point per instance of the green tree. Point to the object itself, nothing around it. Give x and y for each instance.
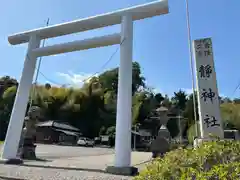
(231, 115)
(6, 82)
(159, 98)
(109, 79)
(6, 105)
(180, 99)
(236, 100)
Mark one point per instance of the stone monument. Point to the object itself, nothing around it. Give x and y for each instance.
(26, 146)
(210, 120)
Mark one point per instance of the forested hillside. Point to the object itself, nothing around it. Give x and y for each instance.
(92, 108)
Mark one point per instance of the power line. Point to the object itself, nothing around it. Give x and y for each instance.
(237, 87)
(50, 80)
(106, 63)
(102, 67)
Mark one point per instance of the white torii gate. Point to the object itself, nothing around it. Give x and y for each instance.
(125, 17)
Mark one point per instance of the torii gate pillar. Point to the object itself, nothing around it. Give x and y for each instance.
(124, 98)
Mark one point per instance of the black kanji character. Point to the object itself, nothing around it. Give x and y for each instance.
(205, 71)
(199, 45)
(207, 52)
(199, 53)
(208, 70)
(210, 121)
(208, 95)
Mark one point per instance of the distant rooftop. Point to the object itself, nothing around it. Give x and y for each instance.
(60, 125)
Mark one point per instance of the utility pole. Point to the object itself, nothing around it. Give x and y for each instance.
(37, 72)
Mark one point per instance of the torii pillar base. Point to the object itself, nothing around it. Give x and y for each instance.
(11, 161)
(125, 171)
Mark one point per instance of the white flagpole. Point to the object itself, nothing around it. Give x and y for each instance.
(191, 66)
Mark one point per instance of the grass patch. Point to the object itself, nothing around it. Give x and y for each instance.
(1, 142)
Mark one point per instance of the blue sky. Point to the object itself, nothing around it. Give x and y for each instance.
(160, 43)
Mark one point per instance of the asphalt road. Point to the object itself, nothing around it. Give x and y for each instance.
(59, 152)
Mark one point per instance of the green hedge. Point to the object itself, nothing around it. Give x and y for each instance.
(218, 160)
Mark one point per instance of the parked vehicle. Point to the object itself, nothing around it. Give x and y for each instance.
(83, 141)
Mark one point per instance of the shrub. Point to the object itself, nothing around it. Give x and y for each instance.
(212, 160)
(176, 144)
(229, 171)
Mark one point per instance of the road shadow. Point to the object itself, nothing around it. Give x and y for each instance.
(37, 160)
(26, 164)
(42, 160)
(77, 168)
(21, 161)
(63, 168)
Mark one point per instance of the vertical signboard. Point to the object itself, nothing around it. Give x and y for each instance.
(208, 98)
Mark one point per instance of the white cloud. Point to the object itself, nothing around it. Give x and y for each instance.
(157, 90)
(75, 79)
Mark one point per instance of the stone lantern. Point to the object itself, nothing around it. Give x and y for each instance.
(27, 147)
(160, 145)
(163, 117)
